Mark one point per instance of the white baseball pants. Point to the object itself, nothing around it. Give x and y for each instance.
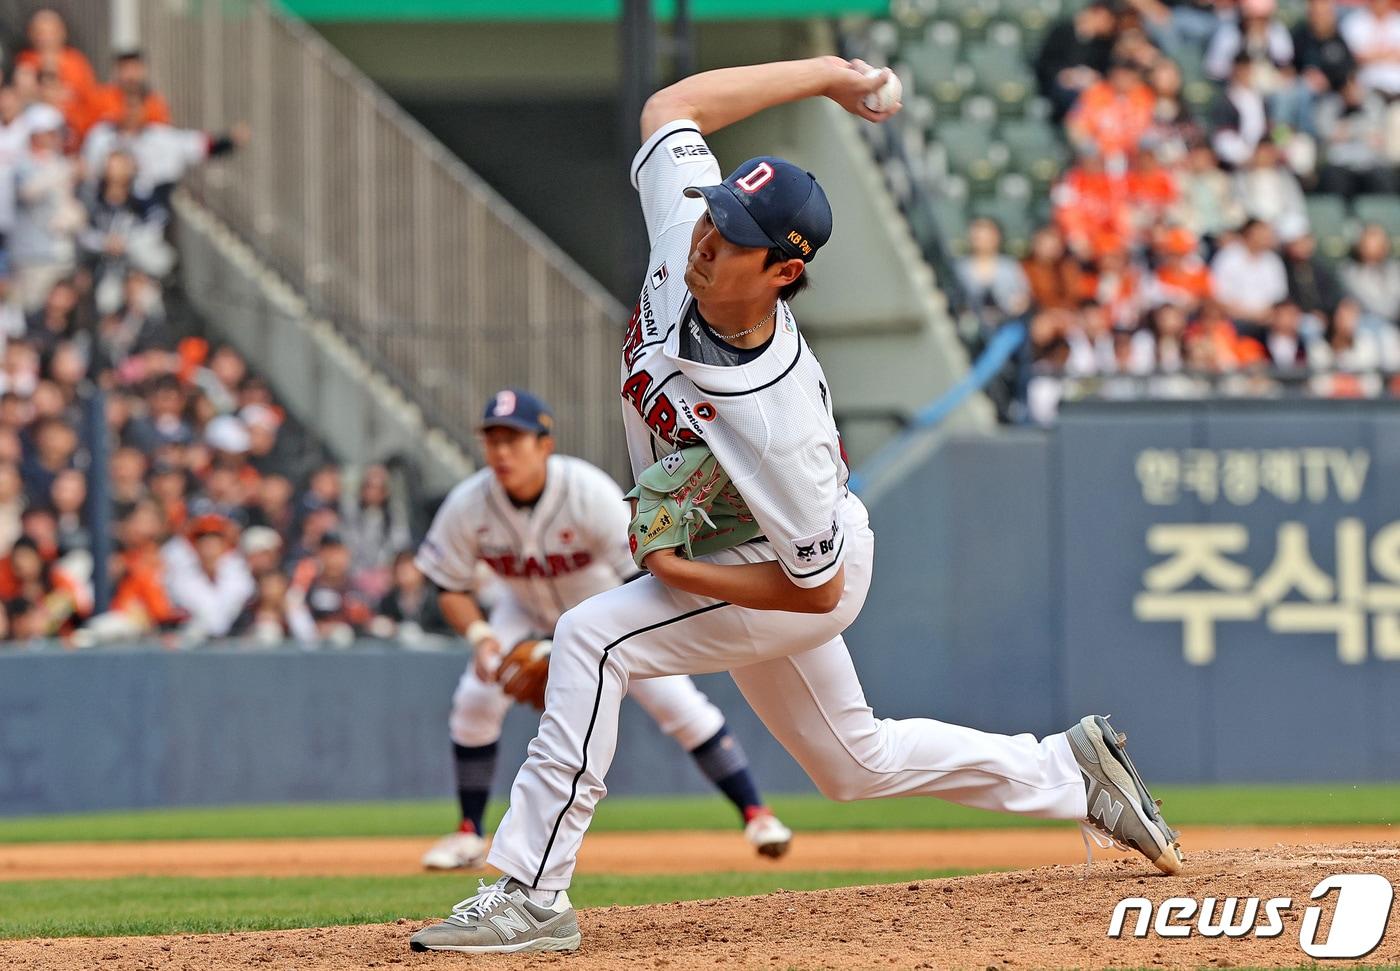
(796, 673)
(479, 708)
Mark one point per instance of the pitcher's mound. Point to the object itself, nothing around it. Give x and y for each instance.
(1052, 917)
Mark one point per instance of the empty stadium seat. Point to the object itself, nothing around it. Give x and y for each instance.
(1002, 75)
(1035, 149)
(1330, 224)
(1381, 209)
(972, 153)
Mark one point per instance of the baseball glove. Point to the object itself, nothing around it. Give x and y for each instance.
(687, 502)
(524, 672)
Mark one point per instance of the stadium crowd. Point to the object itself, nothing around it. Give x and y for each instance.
(1179, 253)
(222, 519)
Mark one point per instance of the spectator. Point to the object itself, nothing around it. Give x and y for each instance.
(265, 619)
(214, 592)
(138, 325)
(11, 505)
(1323, 60)
(1091, 210)
(1173, 126)
(140, 602)
(322, 602)
(1181, 27)
(169, 489)
(49, 53)
(1181, 278)
(1284, 341)
(47, 218)
(1206, 205)
(1268, 190)
(165, 423)
(1239, 120)
(55, 446)
(163, 154)
(1056, 280)
(1112, 116)
(1372, 33)
(127, 475)
(56, 320)
(1346, 346)
(262, 549)
(14, 146)
(1352, 124)
(992, 281)
(272, 505)
(1257, 39)
(68, 497)
(1372, 278)
(130, 78)
(1311, 283)
(375, 527)
(123, 229)
(410, 607)
(1159, 346)
(1075, 55)
(1248, 276)
(323, 487)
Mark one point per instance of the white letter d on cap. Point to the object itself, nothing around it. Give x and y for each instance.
(1358, 923)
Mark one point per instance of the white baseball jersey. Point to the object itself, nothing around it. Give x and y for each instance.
(768, 421)
(570, 545)
(767, 418)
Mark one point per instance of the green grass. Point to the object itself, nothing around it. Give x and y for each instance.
(171, 905)
(1318, 804)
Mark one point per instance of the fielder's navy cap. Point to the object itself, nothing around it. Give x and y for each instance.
(513, 408)
(770, 202)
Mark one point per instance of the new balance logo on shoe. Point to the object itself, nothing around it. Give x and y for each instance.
(510, 923)
(1106, 809)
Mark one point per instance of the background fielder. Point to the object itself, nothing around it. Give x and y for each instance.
(552, 530)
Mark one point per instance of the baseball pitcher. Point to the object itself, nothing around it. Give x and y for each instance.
(552, 531)
(715, 370)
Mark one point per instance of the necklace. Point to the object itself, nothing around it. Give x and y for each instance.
(746, 331)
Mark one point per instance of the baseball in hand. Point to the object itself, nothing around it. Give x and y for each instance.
(889, 94)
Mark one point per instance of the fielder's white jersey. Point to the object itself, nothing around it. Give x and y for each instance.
(570, 545)
(768, 421)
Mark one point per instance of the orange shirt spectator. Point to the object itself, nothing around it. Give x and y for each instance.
(49, 51)
(1092, 210)
(1056, 279)
(1113, 115)
(106, 105)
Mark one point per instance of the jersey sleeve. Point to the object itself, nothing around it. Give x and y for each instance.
(672, 160)
(794, 494)
(448, 556)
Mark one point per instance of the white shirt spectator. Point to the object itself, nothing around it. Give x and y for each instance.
(14, 147)
(163, 154)
(213, 603)
(1368, 36)
(1272, 194)
(1250, 282)
(1225, 44)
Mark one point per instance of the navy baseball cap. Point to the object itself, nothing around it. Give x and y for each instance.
(513, 408)
(768, 202)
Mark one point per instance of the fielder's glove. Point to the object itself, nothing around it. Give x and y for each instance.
(687, 503)
(524, 672)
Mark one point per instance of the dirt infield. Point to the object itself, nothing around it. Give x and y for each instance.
(1050, 917)
(621, 853)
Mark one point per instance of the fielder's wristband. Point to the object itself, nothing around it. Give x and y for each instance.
(478, 631)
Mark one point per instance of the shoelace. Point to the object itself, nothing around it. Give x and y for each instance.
(1103, 840)
(477, 905)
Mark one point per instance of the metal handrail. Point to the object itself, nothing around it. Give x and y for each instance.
(426, 269)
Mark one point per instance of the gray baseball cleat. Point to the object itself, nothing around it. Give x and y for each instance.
(501, 919)
(1119, 804)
